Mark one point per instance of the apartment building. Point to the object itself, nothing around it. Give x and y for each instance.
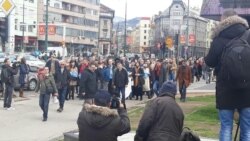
(74, 24)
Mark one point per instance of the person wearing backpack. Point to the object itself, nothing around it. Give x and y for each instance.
(229, 54)
(7, 77)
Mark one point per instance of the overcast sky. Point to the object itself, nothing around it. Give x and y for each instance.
(142, 8)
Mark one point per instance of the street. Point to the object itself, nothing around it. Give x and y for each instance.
(25, 123)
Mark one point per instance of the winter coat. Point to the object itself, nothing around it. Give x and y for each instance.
(107, 75)
(120, 78)
(73, 79)
(140, 77)
(23, 72)
(11, 72)
(63, 78)
(57, 66)
(184, 75)
(164, 73)
(47, 84)
(88, 84)
(162, 121)
(227, 98)
(102, 124)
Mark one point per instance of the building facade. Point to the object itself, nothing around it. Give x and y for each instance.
(189, 26)
(74, 24)
(22, 27)
(141, 36)
(105, 29)
(213, 9)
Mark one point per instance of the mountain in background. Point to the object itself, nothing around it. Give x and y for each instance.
(130, 23)
(118, 19)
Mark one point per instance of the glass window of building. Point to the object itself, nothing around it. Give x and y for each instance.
(30, 28)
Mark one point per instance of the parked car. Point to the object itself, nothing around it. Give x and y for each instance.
(2, 57)
(31, 79)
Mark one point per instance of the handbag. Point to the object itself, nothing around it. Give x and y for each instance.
(188, 135)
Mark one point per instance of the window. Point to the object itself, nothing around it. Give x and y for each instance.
(30, 28)
(145, 43)
(22, 27)
(56, 5)
(145, 25)
(145, 37)
(31, 1)
(145, 31)
(16, 21)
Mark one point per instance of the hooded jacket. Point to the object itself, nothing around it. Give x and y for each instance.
(226, 30)
(88, 84)
(48, 83)
(11, 73)
(162, 120)
(101, 123)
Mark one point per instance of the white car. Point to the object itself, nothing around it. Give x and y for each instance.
(2, 57)
(33, 61)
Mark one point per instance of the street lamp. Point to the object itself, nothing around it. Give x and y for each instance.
(125, 34)
(46, 25)
(22, 48)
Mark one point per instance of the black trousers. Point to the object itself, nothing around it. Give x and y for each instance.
(138, 91)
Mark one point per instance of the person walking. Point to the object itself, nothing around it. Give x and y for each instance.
(108, 75)
(156, 83)
(146, 87)
(88, 83)
(120, 80)
(231, 39)
(163, 118)
(7, 77)
(46, 86)
(184, 79)
(23, 74)
(138, 79)
(62, 85)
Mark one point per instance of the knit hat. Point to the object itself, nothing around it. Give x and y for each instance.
(102, 98)
(168, 88)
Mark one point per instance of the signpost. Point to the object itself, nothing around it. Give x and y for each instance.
(169, 42)
(7, 6)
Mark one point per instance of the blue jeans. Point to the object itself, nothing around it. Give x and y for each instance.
(61, 96)
(156, 87)
(8, 95)
(226, 119)
(183, 91)
(44, 104)
(121, 91)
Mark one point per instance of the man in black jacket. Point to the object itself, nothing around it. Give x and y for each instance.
(62, 84)
(88, 83)
(99, 123)
(227, 98)
(120, 80)
(9, 82)
(163, 118)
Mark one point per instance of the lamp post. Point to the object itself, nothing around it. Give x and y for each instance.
(23, 29)
(46, 25)
(125, 32)
(187, 39)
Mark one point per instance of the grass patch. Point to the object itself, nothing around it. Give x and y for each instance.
(203, 119)
(202, 99)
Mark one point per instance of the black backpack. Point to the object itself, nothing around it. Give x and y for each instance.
(235, 63)
(5, 75)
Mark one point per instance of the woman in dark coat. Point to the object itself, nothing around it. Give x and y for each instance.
(137, 74)
(24, 71)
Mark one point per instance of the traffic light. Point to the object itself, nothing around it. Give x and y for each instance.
(4, 29)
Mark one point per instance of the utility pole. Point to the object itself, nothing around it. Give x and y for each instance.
(187, 39)
(46, 25)
(117, 48)
(23, 30)
(125, 32)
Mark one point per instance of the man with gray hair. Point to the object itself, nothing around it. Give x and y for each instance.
(230, 56)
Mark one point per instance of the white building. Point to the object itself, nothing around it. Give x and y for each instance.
(141, 36)
(22, 32)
